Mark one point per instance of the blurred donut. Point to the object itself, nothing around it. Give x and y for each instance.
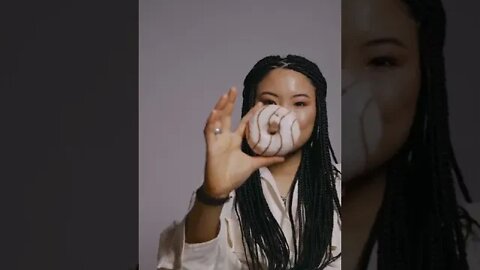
(273, 131)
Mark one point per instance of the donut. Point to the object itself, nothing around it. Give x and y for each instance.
(273, 131)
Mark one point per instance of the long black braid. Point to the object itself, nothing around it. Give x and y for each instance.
(419, 225)
(317, 197)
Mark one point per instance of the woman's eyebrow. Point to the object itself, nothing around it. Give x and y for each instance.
(300, 95)
(269, 93)
(383, 41)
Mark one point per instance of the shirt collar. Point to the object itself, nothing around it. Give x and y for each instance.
(267, 176)
(268, 180)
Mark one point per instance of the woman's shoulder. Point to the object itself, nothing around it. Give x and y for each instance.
(473, 209)
(473, 240)
(337, 171)
(338, 178)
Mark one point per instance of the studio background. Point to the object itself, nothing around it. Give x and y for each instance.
(192, 52)
(461, 59)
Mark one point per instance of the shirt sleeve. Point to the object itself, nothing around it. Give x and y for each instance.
(175, 253)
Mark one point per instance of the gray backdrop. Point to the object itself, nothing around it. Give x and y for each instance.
(462, 57)
(192, 52)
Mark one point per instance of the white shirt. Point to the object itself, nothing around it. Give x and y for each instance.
(226, 252)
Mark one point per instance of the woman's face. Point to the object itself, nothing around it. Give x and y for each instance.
(294, 91)
(381, 81)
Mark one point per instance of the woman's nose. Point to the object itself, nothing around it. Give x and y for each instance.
(286, 106)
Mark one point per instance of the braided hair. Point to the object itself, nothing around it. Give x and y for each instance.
(317, 197)
(419, 224)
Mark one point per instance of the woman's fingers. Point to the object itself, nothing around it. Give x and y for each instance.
(221, 115)
(216, 113)
(222, 101)
(258, 162)
(232, 97)
(228, 109)
(212, 123)
(243, 123)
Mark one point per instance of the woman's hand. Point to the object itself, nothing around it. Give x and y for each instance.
(227, 166)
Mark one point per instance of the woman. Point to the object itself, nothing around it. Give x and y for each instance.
(279, 212)
(399, 201)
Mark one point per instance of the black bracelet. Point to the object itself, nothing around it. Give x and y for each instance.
(204, 198)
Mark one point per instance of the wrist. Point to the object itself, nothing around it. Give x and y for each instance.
(207, 198)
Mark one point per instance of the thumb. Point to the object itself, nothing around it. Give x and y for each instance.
(259, 162)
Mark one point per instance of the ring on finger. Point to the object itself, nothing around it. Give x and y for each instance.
(217, 131)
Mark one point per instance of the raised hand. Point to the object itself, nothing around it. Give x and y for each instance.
(227, 166)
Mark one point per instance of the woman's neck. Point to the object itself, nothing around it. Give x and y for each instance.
(361, 201)
(284, 172)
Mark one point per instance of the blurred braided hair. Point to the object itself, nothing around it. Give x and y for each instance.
(419, 225)
(317, 197)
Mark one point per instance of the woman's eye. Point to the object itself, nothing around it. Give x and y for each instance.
(300, 104)
(268, 102)
(383, 61)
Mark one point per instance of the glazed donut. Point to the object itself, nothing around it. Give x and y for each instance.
(273, 131)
